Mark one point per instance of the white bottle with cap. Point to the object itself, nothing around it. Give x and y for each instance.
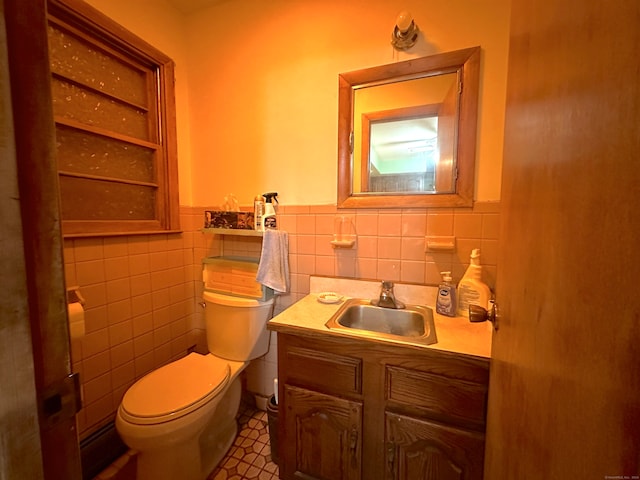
(471, 289)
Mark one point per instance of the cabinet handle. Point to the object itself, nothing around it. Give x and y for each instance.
(353, 444)
(391, 459)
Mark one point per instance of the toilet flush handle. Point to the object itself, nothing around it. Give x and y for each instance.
(203, 304)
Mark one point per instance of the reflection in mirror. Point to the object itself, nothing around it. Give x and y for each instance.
(407, 132)
(408, 136)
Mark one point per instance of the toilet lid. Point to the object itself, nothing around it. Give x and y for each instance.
(175, 389)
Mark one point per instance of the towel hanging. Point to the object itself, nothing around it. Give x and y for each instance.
(273, 269)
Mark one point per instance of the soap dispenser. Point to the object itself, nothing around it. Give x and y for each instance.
(471, 289)
(446, 301)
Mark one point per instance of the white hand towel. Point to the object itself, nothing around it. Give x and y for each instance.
(273, 270)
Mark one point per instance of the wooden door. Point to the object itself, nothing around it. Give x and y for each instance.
(564, 394)
(325, 441)
(36, 250)
(424, 450)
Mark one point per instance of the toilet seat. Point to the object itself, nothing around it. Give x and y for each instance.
(175, 389)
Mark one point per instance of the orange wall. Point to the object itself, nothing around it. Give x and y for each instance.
(262, 85)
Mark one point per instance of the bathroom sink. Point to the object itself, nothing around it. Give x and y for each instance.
(412, 324)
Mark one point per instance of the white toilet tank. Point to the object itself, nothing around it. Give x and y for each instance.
(237, 327)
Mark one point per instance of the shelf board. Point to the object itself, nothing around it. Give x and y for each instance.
(234, 231)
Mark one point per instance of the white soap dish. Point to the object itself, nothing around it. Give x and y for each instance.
(329, 297)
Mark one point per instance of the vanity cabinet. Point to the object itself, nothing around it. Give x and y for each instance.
(358, 409)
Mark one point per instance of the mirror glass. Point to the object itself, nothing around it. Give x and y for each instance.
(407, 132)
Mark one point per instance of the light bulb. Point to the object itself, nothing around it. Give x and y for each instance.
(403, 22)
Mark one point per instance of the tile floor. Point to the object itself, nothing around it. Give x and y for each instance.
(250, 455)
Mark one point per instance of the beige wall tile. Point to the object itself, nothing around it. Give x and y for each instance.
(413, 249)
(90, 272)
(389, 225)
(143, 344)
(440, 224)
(158, 243)
(120, 333)
(306, 244)
(367, 268)
(125, 374)
(94, 295)
(137, 244)
(140, 284)
(490, 226)
(95, 319)
(96, 365)
(345, 263)
(97, 388)
(118, 289)
(412, 272)
(325, 224)
(323, 245)
(366, 225)
(306, 225)
(95, 342)
(88, 249)
(467, 225)
(144, 364)
(119, 311)
(99, 410)
(306, 264)
(389, 270)
(115, 247)
(367, 247)
(116, 267)
(325, 265)
(389, 247)
(142, 324)
(121, 354)
(414, 224)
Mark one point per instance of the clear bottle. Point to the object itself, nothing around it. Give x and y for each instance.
(447, 299)
(471, 289)
(258, 211)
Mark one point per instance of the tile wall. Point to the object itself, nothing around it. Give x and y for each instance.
(142, 292)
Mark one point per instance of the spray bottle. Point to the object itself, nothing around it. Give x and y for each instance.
(269, 217)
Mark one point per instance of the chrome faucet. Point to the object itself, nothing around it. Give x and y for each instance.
(387, 298)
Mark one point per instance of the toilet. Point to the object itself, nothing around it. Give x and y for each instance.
(181, 418)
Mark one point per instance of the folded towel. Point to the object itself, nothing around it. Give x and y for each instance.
(273, 270)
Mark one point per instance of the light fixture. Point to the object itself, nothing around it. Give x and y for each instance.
(405, 32)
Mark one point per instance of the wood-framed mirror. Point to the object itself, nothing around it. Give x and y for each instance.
(407, 132)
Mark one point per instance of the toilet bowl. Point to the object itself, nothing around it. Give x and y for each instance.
(181, 418)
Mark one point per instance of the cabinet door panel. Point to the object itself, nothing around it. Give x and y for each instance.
(324, 436)
(422, 450)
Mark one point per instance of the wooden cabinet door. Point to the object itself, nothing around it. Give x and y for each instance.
(324, 436)
(423, 450)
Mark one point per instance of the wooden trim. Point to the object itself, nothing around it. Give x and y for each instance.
(79, 17)
(468, 62)
(102, 178)
(39, 203)
(105, 133)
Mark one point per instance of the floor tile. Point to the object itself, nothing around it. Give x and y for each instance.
(249, 458)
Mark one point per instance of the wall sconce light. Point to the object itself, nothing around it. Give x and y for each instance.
(405, 32)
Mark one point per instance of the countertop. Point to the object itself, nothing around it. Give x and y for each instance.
(455, 334)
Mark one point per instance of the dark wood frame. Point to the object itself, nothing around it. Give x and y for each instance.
(468, 62)
(90, 21)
